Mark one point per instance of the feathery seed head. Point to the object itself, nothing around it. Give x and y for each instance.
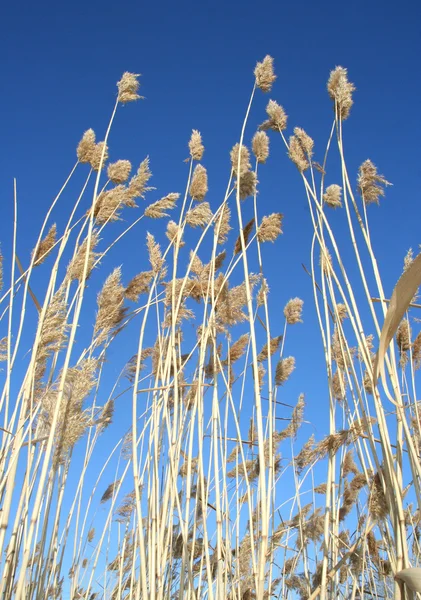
(73, 420)
(237, 350)
(264, 74)
(332, 196)
(368, 383)
(339, 385)
(260, 146)
(86, 147)
(128, 86)
(45, 246)
(262, 293)
(119, 171)
(76, 266)
(369, 182)
(156, 209)
(99, 150)
(300, 149)
(155, 255)
(340, 90)
(277, 117)
(109, 203)
(199, 215)
(269, 350)
(199, 183)
(173, 232)
(408, 260)
(246, 235)
(326, 261)
(284, 369)
(342, 312)
(306, 143)
(138, 183)
(270, 228)
(243, 156)
(223, 227)
(138, 285)
(110, 302)
(109, 492)
(3, 349)
(349, 465)
(293, 311)
(416, 351)
(196, 146)
(54, 326)
(306, 455)
(377, 503)
(403, 336)
(247, 183)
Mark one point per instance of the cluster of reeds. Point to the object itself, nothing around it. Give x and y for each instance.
(199, 501)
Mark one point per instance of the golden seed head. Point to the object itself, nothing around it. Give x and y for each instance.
(3, 349)
(128, 86)
(260, 146)
(243, 156)
(403, 336)
(77, 264)
(269, 349)
(277, 117)
(262, 293)
(416, 351)
(173, 232)
(199, 183)
(156, 209)
(86, 147)
(333, 195)
(199, 215)
(368, 383)
(321, 489)
(100, 149)
(110, 302)
(119, 171)
(339, 385)
(195, 145)
(155, 254)
(247, 229)
(109, 492)
(270, 228)
(293, 311)
(138, 183)
(349, 465)
(305, 140)
(300, 149)
(369, 182)
(45, 246)
(284, 369)
(340, 90)
(264, 74)
(223, 227)
(407, 261)
(342, 312)
(109, 203)
(238, 348)
(296, 421)
(326, 261)
(247, 183)
(138, 285)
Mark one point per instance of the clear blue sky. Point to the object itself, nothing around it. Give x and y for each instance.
(61, 61)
